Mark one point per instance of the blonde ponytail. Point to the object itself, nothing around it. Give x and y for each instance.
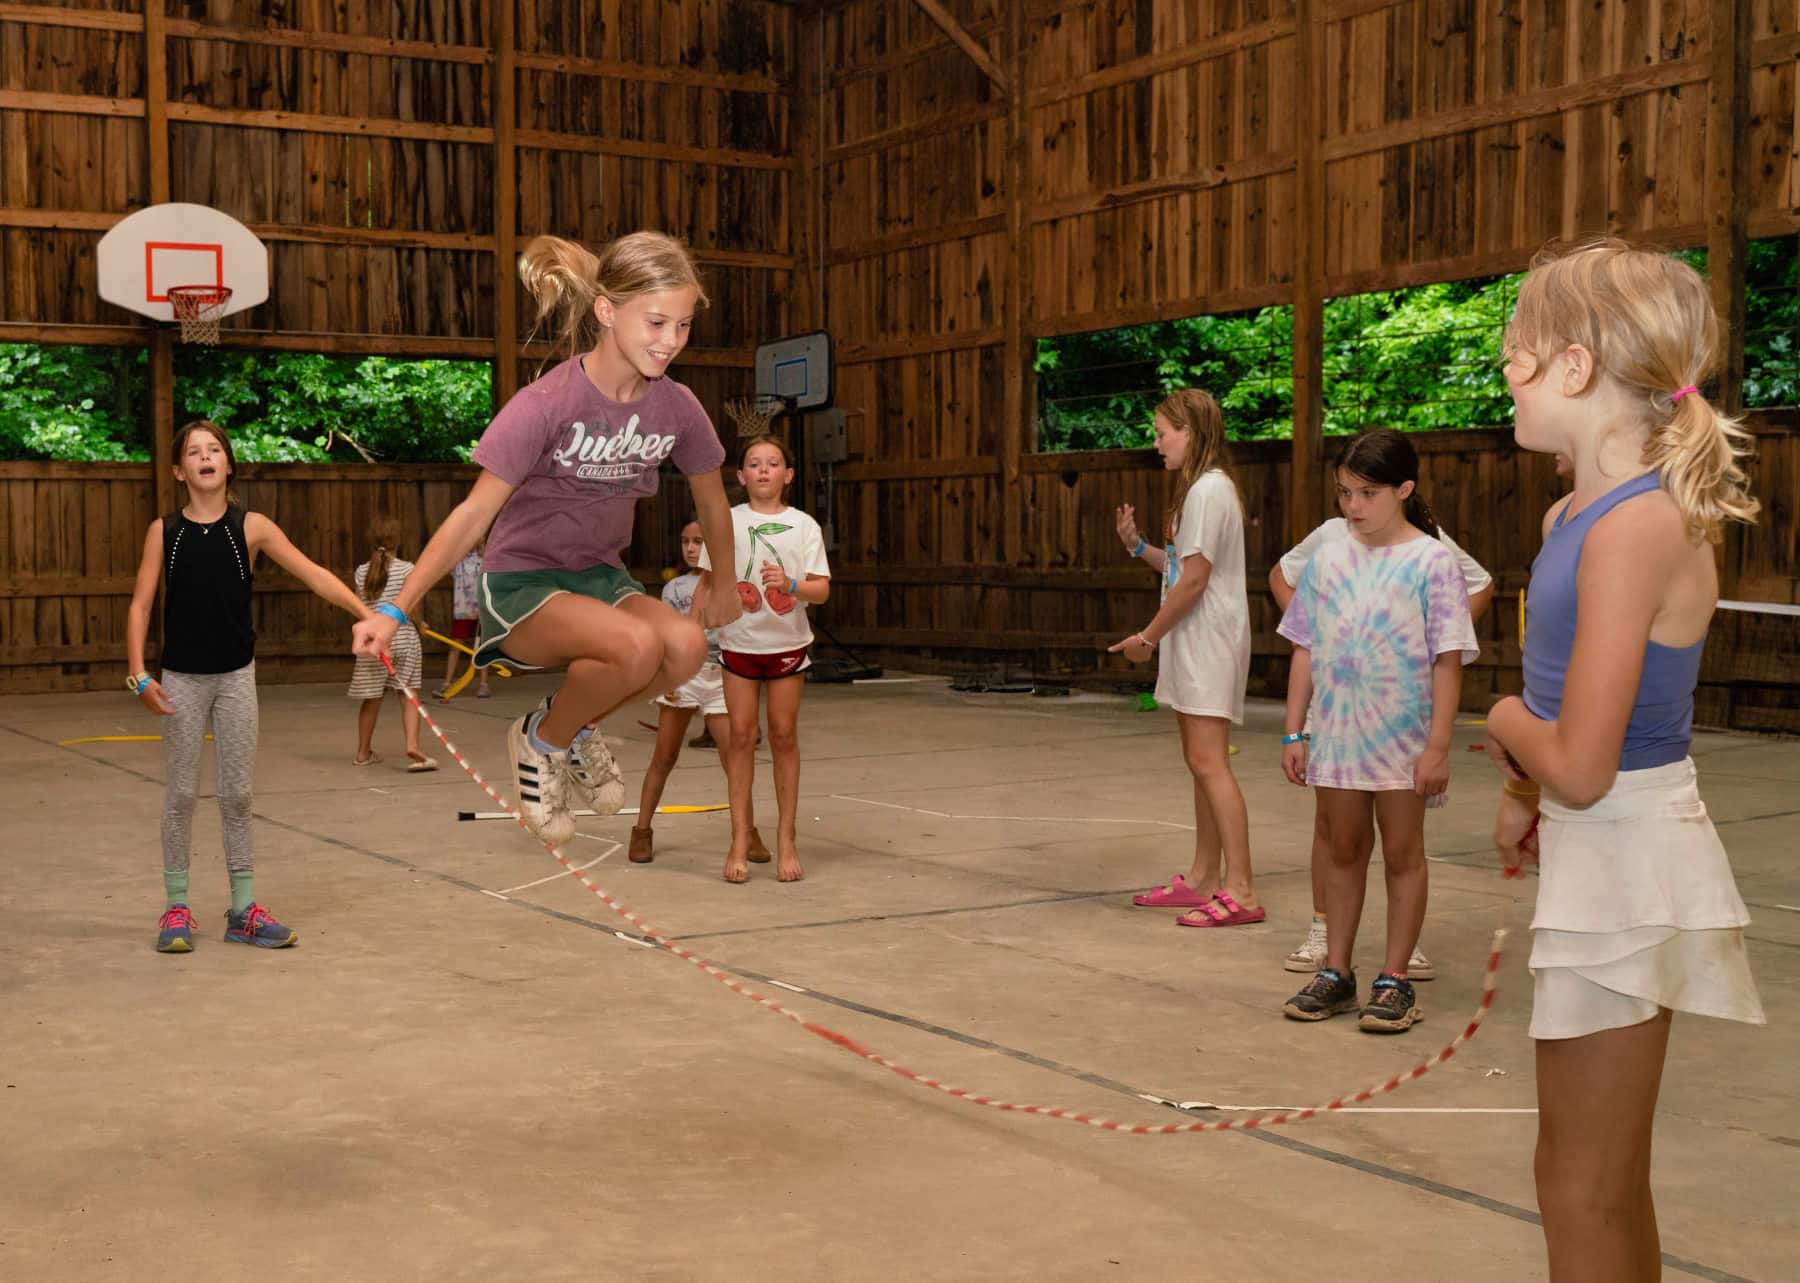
(1695, 450)
(1649, 323)
(563, 278)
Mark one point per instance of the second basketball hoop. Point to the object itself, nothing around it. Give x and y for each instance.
(752, 415)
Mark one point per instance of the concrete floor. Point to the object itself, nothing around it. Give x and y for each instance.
(440, 1083)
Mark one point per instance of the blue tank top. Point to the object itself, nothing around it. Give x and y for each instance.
(1662, 715)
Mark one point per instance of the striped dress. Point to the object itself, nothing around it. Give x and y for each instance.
(371, 678)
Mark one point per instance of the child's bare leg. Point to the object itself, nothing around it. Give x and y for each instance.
(784, 748)
(365, 727)
(742, 701)
(1401, 816)
(1219, 811)
(671, 725)
(610, 654)
(409, 726)
(450, 654)
(1348, 819)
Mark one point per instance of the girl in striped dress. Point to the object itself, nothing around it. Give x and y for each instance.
(379, 579)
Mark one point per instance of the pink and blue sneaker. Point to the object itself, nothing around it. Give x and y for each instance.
(255, 925)
(175, 933)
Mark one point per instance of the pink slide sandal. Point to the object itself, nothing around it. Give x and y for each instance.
(1177, 895)
(1221, 911)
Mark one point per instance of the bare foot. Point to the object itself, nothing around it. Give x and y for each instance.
(787, 864)
(737, 863)
(415, 755)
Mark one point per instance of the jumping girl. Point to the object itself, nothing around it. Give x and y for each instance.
(380, 579)
(563, 466)
(781, 571)
(704, 693)
(208, 550)
(1637, 912)
(1380, 621)
(1203, 628)
(1309, 955)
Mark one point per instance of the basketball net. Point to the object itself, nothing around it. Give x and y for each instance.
(199, 308)
(753, 414)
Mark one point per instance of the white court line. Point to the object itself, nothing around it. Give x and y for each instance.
(1205, 1106)
(504, 892)
(790, 988)
(1025, 819)
(1791, 908)
(891, 681)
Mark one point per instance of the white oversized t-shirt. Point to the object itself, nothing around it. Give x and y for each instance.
(1293, 563)
(772, 622)
(1204, 661)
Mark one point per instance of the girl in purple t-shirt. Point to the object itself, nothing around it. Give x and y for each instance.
(563, 466)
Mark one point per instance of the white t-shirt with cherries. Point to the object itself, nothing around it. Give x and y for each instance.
(773, 622)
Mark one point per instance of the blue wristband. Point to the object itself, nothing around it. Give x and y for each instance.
(392, 611)
(1298, 737)
(793, 586)
(1139, 550)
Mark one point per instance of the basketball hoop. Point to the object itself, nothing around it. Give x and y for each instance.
(754, 414)
(199, 309)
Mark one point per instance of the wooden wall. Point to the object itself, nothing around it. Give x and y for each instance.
(1119, 162)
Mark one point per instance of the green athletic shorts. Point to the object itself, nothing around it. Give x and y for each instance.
(508, 596)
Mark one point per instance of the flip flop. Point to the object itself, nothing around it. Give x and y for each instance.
(370, 760)
(1221, 911)
(1177, 895)
(417, 765)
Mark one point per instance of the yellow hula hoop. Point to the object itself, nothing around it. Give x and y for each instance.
(456, 687)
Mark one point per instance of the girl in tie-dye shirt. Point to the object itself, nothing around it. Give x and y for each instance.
(1380, 623)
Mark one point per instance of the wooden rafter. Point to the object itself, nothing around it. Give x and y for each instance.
(969, 45)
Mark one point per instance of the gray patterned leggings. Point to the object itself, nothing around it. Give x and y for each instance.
(229, 699)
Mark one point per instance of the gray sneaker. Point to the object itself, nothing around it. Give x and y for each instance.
(541, 782)
(595, 779)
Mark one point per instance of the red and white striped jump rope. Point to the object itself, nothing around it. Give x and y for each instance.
(1488, 992)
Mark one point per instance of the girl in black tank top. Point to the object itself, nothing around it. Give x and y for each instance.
(206, 554)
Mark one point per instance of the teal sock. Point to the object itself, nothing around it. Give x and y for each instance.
(175, 884)
(242, 894)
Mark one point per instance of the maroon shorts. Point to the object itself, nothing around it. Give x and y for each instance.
(765, 668)
(463, 629)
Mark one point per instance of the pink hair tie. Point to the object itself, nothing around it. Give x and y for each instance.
(1675, 399)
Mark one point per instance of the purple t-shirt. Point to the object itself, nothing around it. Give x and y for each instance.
(579, 461)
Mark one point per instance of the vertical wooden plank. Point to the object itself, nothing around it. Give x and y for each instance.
(1728, 218)
(1309, 244)
(506, 204)
(1018, 267)
(162, 347)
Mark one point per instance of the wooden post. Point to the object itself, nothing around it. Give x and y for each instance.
(1018, 350)
(162, 341)
(805, 295)
(506, 203)
(1309, 269)
(1727, 220)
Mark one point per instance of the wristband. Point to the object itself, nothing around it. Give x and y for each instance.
(392, 611)
(137, 683)
(1520, 788)
(1298, 737)
(793, 586)
(1139, 550)
(1147, 642)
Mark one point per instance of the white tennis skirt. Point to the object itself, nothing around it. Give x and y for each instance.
(1637, 910)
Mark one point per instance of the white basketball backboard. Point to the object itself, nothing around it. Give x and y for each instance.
(797, 368)
(180, 244)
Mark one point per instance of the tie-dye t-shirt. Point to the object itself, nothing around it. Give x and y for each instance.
(1375, 619)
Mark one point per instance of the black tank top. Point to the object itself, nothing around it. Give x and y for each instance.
(206, 594)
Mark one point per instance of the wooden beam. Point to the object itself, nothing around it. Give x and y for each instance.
(1019, 388)
(916, 238)
(162, 341)
(36, 15)
(1771, 50)
(1309, 269)
(506, 202)
(967, 43)
(1727, 223)
(1344, 10)
(809, 236)
(1163, 310)
(906, 57)
(553, 141)
(914, 132)
(337, 42)
(639, 72)
(1220, 175)
(312, 123)
(69, 104)
(1173, 59)
(1503, 111)
(918, 345)
(162, 415)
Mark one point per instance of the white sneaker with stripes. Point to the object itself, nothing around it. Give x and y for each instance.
(541, 783)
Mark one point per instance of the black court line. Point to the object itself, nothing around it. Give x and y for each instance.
(1365, 1166)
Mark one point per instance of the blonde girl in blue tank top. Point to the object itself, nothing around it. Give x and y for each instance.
(1637, 912)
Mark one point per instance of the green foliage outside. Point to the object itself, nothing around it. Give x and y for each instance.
(1421, 359)
(91, 403)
